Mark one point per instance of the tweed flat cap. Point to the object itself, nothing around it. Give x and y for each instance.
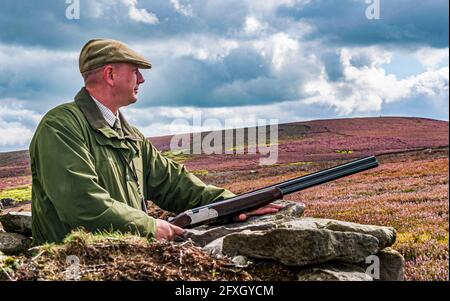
(99, 52)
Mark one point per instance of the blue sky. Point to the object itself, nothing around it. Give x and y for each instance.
(233, 61)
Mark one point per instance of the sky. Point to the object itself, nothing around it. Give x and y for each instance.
(231, 62)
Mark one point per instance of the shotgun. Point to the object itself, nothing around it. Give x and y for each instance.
(258, 198)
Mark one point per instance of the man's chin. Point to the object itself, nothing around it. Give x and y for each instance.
(133, 99)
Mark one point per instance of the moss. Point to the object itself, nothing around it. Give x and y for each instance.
(45, 248)
(344, 151)
(200, 172)
(9, 262)
(21, 193)
(117, 256)
(298, 163)
(245, 146)
(86, 238)
(408, 237)
(422, 237)
(345, 212)
(366, 193)
(176, 156)
(7, 266)
(443, 239)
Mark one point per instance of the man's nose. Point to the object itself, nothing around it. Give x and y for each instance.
(140, 78)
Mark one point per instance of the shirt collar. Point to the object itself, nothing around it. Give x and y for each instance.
(107, 113)
(96, 120)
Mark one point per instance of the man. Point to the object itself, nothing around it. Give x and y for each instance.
(91, 169)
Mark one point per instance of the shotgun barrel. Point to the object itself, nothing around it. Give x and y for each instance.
(327, 175)
(261, 197)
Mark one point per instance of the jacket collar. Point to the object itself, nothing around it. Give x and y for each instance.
(95, 118)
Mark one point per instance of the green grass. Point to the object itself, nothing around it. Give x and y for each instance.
(176, 156)
(87, 238)
(17, 193)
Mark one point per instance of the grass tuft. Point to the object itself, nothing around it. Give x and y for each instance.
(22, 193)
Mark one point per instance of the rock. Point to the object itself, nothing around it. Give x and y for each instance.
(391, 265)
(324, 249)
(386, 235)
(301, 246)
(240, 261)
(334, 272)
(7, 202)
(17, 222)
(291, 209)
(206, 236)
(203, 235)
(214, 248)
(303, 241)
(13, 243)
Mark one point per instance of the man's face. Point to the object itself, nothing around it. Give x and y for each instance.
(127, 81)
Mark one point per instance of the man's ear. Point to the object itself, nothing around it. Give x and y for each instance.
(108, 75)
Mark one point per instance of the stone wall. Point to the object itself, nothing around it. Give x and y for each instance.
(321, 249)
(318, 249)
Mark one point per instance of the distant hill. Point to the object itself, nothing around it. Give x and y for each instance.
(333, 139)
(300, 141)
(414, 132)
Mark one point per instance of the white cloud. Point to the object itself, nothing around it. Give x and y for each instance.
(14, 135)
(365, 88)
(114, 9)
(140, 14)
(17, 57)
(16, 124)
(431, 58)
(99, 8)
(268, 7)
(160, 121)
(432, 83)
(182, 9)
(280, 48)
(201, 47)
(40, 77)
(253, 26)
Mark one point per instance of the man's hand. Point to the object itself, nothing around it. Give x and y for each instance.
(271, 208)
(167, 231)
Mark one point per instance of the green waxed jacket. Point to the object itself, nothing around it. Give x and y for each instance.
(80, 180)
